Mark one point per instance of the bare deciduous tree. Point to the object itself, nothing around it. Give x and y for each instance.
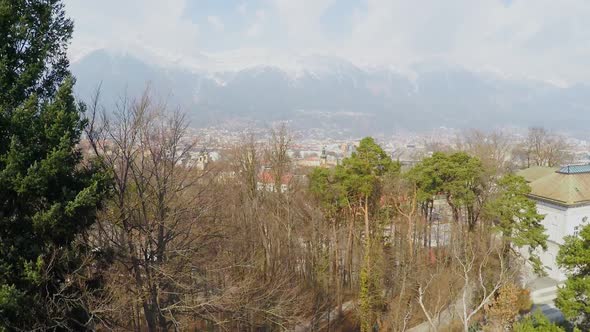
(151, 225)
(543, 148)
(474, 258)
(493, 149)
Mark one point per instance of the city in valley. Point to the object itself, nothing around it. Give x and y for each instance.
(295, 165)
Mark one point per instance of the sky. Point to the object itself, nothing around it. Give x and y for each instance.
(539, 39)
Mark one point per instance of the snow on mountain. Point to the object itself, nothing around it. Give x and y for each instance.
(259, 85)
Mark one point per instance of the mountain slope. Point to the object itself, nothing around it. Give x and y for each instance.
(328, 92)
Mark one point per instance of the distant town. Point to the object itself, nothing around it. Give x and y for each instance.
(311, 146)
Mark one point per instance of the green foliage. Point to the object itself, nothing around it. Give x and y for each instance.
(428, 177)
(326, 186)
(33, 49)
(47, 198)
(348, 186)
(572, 299)
(457, 176)
(9, 300)
(365, 302)
(370, 290)
(516, 216)
(462, 179)
(537, 322)
(359, 175)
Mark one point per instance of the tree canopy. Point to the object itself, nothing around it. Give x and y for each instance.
(516, 216)
(456, 176)
(356, 179)
(537, 322)
(572, 299)
(48, 195)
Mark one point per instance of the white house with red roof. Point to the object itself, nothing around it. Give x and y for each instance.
(267, 181)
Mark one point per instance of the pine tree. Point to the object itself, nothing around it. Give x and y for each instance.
(537, 322)
(48, 196)
(357, 184)
(572, 299)
(458, 177)
(517, 218)
(361, 175)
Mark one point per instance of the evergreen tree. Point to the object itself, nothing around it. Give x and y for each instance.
(48, 196)
(456, 176)
(517, 218)
(572, 299)
(356, 184)
(361, 176)
(537, 322)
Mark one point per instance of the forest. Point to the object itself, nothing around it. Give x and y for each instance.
(105, 226)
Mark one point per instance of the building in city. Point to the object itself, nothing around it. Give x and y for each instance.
(563, 197)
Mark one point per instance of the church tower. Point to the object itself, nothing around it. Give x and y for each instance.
(203, 160)
(324, 158)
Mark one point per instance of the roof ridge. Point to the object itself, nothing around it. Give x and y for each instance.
(563, 187)
(575, 169)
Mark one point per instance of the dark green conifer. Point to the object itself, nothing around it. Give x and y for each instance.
(48, 195)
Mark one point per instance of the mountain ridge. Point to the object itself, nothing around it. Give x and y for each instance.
(432, 95)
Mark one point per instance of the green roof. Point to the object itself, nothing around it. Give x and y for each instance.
(575, 169)
(569, 189)
(536, 172)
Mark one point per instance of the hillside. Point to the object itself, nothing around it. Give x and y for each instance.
(328, 92)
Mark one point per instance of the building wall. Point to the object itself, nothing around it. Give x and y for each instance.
(555, 220)
(559, 222)
(577, 217)
(309, 162)
(549, 261)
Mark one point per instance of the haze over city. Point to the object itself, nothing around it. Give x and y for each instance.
(295, 165)
(362, 64)
(543, 40)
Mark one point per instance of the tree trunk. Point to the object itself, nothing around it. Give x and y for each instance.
(337, 269)
(349, 251)
(366, 217)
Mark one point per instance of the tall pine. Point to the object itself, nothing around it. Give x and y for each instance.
(516, 216)
(48, 195)
(573, 299)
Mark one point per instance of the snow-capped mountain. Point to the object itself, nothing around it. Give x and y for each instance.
(328, 91)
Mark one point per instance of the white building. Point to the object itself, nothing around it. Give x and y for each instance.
(563, 196)
(267, 182)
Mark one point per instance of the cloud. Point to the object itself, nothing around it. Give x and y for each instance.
(260, 14)
(301, 20)
(132, 25)
(216, 22)
(544, 39)
(255, 28)
(532, 38)
(242, 8)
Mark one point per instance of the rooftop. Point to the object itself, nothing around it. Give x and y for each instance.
(575, 169)
(567, 186)
(536, 172)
